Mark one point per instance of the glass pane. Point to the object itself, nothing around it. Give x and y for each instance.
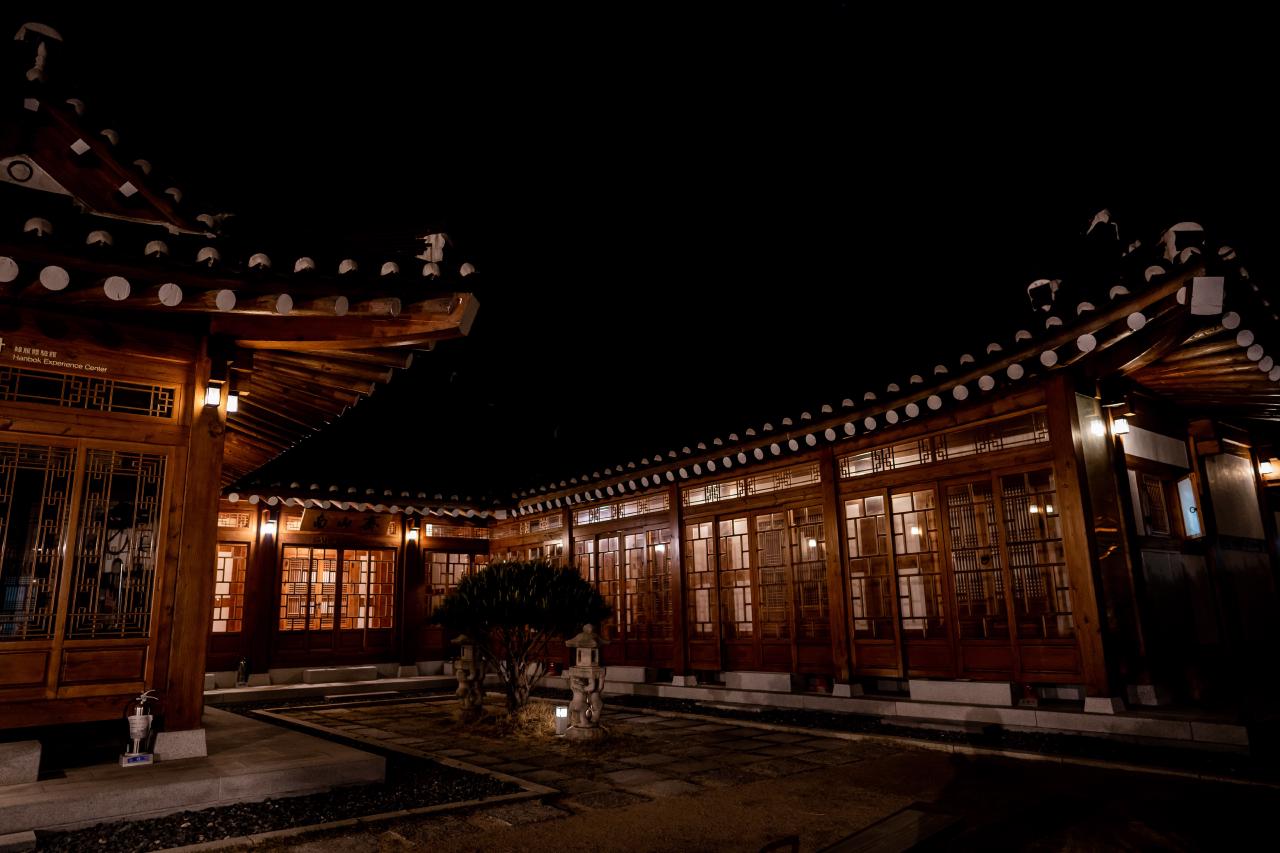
(115, 557)
(35, 492)
(1190, 508)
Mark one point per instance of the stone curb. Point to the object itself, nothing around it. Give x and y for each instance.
(532, 790)
(956, 749)
(293, 831)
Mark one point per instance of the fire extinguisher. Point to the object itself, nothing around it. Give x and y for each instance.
(140, 715)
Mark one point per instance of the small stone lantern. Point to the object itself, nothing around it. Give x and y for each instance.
(586, 680)
(469, 670)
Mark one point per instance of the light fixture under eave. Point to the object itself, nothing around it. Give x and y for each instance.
(212, 394)
(1120, 426)
(411, 535)
(233, 401)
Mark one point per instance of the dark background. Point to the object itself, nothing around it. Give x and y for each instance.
(684, 223)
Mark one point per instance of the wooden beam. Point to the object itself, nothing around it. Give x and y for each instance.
(387, 358)
(323, 380)
(314, 334)
(321, 364)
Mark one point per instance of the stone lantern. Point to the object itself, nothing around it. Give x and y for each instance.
(586, 680)
(469, 670)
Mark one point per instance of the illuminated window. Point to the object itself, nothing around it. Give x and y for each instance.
(228, 588)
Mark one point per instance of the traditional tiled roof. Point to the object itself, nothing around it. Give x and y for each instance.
(88, 228)
(1185, 291)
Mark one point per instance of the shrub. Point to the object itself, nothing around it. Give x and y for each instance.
(512, 611)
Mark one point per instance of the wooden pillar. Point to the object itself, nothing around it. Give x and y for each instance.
(413, 594)
(184, 690)
(265, 589)
(1077, 532)
(254, 596)
(679, 649)
(837, 595)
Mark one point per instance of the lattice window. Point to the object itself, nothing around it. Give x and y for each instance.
(644, 505)
(713, 492)
(737, 616)
(507, 530)
(234, 520)
(771, 567)
(787, 478)
(228, 588)
(648, 584)
(918, 561)
(293, 521)
(1005, 434)
(309, 585)
(610, 583)
(975, 559)
(1021, 430)
(444, 570)
(114, 567)
(35, 501)
(1041, 588)
(91, 393)
(368, 589)
(700, 578)
(1155, 511)
(809, 567)
(871, 585)
(584, 558)
(455, 531)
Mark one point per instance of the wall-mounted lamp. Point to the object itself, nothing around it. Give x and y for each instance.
(233, 400)
(1265, 467)
(411, 534)
(268, 523)
(1120, 426)
(213, 394)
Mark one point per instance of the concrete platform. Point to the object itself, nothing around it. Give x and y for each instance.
(248, 761)
(299, 690)
(1188, 728)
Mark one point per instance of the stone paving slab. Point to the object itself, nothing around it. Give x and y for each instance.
(783, 750)
(634, 776)
(648, 759)
(667, 788)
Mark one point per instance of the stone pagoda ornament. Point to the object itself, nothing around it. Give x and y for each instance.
(586, 680)
(469, 670)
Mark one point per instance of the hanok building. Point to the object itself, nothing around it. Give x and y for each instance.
(1079, 512)
(145, 363)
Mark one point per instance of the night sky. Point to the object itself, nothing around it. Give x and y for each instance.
(683, 226)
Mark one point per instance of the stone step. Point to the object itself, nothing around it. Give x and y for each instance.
(362, 697)
(332, 674)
